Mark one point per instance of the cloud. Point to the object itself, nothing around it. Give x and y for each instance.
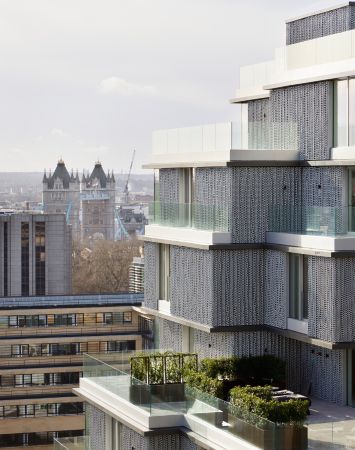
(119, 86)
(58, 132)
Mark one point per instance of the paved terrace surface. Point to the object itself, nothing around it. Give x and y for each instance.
(331, 427)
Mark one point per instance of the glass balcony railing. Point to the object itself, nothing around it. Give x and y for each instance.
(193, 215)
(112, 372)
(317, 220)
(72, 443)
(219, 137)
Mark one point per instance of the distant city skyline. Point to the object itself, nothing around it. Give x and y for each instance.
(91, 80)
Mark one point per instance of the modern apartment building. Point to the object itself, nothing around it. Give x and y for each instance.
(98, 204)
(42, 340)
(35, 254)
(252, 246)
(61, 194)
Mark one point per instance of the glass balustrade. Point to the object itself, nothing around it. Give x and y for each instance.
(219, 137)
(193, 215)
(205, 413)
(317, 220)
(72, 443)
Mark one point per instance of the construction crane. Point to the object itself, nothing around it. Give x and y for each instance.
(125, 190)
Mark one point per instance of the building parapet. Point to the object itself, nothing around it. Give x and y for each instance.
(70, 300)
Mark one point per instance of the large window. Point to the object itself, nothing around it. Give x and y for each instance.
(298, 304)
(40, 255)
(25, 259)
(164, 271)
(6, 260)
(344, 113)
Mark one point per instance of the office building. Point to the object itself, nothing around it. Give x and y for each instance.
(43, 339)
(35, 254)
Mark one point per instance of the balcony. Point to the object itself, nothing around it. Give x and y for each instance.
(226, 142)
(72, 443)
(159, 406)
(189, 215)
(322, 227)
(188, 222)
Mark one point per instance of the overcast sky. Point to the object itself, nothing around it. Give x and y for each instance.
(88, 79)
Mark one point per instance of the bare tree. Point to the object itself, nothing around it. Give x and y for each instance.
(105, 267)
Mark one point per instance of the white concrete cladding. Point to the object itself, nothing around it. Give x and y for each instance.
(326, 57)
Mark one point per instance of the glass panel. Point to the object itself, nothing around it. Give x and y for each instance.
(162, 272)
(127, 317)
(311, 220)
(341, 113)
(194, 215)
(42, 321)
(35, 350)
(108, 318)
(351, 111)
(13, 321)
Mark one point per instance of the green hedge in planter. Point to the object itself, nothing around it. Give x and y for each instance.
(201, 381)
(258, 401)
(162, 367)
(224, 368)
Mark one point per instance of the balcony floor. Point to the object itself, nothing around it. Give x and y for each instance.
(313, 240)
(331, 426)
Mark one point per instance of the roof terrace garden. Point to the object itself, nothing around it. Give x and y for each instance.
(230, 400)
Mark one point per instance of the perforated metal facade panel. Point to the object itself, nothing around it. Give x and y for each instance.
(191, 288)
(217, 287)
(170, 335)
(151, 270)
(96, 427)
(309, 106)
(169, 185)
(324, 186)
(319, 25)
(276, 289)
(255, 191)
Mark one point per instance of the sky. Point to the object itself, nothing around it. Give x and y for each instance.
(91, 79)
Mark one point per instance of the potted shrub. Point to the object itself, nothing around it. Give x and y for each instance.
(266, 422)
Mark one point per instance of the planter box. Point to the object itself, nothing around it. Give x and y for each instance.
(279, 438)
(139, 394)
(156, 393)
(168, 393)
